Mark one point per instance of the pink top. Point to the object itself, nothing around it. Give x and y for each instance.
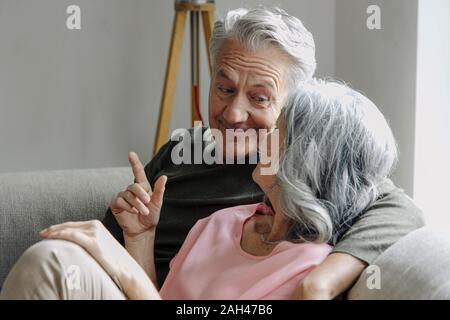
(212, 265)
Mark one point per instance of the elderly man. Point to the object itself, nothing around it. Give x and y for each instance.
(258, 56)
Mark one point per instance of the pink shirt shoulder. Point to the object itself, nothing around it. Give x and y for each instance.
(212, 265)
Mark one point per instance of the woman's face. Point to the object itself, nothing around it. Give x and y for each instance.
(268, 184)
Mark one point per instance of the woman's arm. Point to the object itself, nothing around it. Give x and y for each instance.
(136, 284)
(141, 248)
(110, 254)
(337, 273)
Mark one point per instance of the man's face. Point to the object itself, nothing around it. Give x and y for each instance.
(247, 92)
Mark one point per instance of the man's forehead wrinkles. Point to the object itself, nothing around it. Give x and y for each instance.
(272, 84)
(269, 80)
(249, 60)
(227, 71)
(224, 73)
(261, 70)
(272, 76)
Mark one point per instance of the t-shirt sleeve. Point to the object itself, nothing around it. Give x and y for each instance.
(383, 223)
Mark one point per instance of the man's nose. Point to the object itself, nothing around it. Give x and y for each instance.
(236, 111)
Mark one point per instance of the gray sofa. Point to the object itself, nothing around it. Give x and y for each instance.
(416, 267)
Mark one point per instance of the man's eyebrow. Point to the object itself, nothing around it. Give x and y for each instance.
(264, 84)
(222, 74)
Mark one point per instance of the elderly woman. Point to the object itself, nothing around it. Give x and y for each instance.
(262, 251)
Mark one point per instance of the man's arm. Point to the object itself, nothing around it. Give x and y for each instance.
(337, 273)
(388, 219)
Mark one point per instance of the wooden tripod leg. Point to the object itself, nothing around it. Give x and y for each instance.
(170, 82)
(208, 26)
(195, 67)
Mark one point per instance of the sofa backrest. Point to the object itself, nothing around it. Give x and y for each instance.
(416, 267)
(30, 202)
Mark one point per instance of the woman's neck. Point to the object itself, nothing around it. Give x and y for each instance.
(278, 229)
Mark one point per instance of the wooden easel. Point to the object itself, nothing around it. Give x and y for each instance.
(176, 43)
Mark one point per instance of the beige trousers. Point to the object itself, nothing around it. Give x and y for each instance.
(58, 269)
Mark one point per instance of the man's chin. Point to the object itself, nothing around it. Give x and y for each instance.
(235, 153)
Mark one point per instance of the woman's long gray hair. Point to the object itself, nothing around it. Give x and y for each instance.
(338, 149)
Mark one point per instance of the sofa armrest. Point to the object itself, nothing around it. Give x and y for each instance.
(33, 201)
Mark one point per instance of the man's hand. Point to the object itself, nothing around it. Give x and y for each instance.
(137, 208)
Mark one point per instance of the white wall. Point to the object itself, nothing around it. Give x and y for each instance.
(83, 99)
(382, 64)
(432, 150)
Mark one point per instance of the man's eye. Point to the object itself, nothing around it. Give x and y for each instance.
(260, 99)
(225, 90)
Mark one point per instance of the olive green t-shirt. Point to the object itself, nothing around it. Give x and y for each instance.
(194, 191)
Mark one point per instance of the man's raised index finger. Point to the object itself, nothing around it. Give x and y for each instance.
(137, 167)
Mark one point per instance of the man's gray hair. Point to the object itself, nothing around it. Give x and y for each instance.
(338, 149)
(261, 26)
